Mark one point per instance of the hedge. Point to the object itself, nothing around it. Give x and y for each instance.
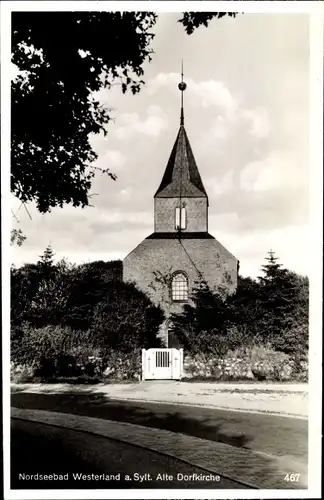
(54, 352)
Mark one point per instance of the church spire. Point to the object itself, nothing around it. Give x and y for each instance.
(181, 178)
(182, 86)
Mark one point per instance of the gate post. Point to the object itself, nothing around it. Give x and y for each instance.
(143, 363)
(181, 363)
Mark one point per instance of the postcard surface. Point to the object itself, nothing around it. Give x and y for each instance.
(162, 193)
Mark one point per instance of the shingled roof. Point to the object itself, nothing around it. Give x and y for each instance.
(181, 176)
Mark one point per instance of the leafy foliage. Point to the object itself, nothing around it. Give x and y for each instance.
(126, 319)
(121, 365)
(39, 291)
(86, 298)
(50, 350)
(285, 304)
(271, 310)
(84, 321)
(245, 308)
(39, 346)
(192, 20)
(17, 237)
(202, 325)
(89, 285)
(53, 108)
(24, 286)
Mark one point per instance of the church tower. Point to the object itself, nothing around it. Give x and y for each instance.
(180, 252)
(181, 202)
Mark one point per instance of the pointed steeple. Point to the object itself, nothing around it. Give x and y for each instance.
(181, 177)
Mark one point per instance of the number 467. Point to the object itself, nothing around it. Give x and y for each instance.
(292, 477)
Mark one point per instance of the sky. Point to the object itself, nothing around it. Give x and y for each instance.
(247, 119)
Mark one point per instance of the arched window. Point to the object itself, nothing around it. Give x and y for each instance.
(179, 287)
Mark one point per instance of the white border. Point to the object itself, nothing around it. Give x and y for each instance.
(315, 9)
(5, 33)
(159, 494)
(316, 239)
(170, 6)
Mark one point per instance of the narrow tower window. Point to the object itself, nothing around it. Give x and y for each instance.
(180, 223)
(179, 287)
(183, 218)
(177, 218)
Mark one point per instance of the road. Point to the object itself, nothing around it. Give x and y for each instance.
(68, 457)
(274, 435)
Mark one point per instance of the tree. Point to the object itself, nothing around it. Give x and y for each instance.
(49, 303)
(246, 309)
(64, 58)
(202, 326)
(301, 297)
(39, 292)
(89, 298)
(60, 293)
(272, 270)
(53, 109)
(284, 297)
(192, 20)
(126, 319)
(272, 309)
(89, 285)
(24, 284)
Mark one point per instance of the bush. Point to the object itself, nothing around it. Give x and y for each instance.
(87, 360)
(208, 343)
(268, 364)
(214, 343)
(20, 374)
(292, 340)
(300, 371)
(122, 366)
(54, 352)
(49, 351)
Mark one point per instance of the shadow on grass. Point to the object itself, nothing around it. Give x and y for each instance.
(82, 379)
(100, 406)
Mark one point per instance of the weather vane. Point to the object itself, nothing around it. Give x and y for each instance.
(182, 86)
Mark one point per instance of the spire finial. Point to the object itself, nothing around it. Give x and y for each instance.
(182, 86)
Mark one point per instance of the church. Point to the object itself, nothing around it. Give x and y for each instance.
(180, 253)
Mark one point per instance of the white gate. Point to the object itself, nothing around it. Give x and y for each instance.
(162, 364)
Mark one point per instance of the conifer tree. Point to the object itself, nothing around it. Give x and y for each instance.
(202, 325)
(279, 296)
(275, 288)
(49, 302)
